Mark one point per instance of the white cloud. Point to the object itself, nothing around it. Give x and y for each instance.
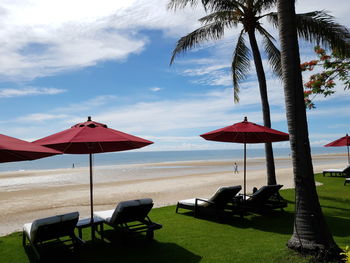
(338, 126)
(321, 139)
(155, 89)
(204, 70)
(40, 117)
(337, 111)
(87, 106)
(212, 109)
(67, 48)
(173, 124)
(41, 38)
(176, 118)
(29, 91)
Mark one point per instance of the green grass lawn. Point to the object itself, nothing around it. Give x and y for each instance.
(184, 238)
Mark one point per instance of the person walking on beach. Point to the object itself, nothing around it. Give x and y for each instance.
(235, 167)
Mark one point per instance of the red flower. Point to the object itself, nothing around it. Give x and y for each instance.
(325, 57)
(319, 50)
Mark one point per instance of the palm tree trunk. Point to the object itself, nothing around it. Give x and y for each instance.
(311, 233)
(270, 163)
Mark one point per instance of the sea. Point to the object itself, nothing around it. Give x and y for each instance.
(141, 157)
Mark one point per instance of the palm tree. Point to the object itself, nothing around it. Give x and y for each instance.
(311, 233)
(227, 14)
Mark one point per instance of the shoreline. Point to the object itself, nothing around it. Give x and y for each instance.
(165, 183)
(33, 172)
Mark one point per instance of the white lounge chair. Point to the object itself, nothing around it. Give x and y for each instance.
(41, 231)
(338, 172)
(214, 205)
(262, 201)
(131, 217)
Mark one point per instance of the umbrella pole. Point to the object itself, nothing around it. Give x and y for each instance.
(91, 200)
(348, 154)
(245, 168)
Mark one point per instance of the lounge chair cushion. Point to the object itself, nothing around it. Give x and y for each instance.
(131, 216)
(345, 170)
(105, 215)
(31, 229)
(263, 200)
(192, 202)
(219, 200)
(264, 193)
(224, 194)
(334, 170)
(132, 210)
(221, 196)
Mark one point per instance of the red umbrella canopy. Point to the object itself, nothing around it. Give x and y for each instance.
(246, 132)
(343, 141)
(14, 150)
(92, 137)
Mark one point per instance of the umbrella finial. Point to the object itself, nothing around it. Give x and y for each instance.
(89, 118)
(245, 118)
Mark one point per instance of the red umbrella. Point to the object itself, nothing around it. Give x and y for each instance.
(343, 141)
(92, 137)
(14, 150)
(246, 132)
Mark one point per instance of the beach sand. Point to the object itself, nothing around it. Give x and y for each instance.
(28, 195)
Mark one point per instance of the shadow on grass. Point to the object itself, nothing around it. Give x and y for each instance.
(134, 250)
(339, 226)
(57, 253)
(333, 199)
(275, 222)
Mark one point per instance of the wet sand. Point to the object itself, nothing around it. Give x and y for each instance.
(28, 195)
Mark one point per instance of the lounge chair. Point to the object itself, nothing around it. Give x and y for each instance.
(41, 232)
(217, 204)
(338, 172)
(131, 217)
(263, 200)
(347, 181)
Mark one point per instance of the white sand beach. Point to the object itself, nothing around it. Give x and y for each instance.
(28, 195)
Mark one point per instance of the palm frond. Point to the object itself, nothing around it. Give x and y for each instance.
(272, 51)
(213, 31)
(222, 5)
(320, 28)
(240, 64)
(231, 18)
(272, 18)
(180, 4)
(260, 6)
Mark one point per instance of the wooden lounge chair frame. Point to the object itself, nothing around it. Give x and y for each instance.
(51, 231)
(131, 217)
(220, 202)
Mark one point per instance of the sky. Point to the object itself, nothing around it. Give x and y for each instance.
(61, 61)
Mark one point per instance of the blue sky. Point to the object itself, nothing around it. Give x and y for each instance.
(61, 61)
